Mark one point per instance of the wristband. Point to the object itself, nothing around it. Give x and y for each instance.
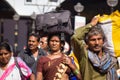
(76, 72)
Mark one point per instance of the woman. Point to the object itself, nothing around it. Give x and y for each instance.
(9, 69)
(56, 65)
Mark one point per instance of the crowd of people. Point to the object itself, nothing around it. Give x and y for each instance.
(44, 57)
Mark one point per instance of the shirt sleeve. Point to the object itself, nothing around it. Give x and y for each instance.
(77, 41)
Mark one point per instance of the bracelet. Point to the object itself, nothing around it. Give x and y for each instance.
(76, 72)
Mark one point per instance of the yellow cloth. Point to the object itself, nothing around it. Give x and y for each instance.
(75, 59)
(115, 30)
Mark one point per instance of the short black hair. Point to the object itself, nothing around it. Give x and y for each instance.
(35, 35)
(94, 31)
(44, 35)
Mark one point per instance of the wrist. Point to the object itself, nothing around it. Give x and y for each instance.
(76, 72)
(90, 25)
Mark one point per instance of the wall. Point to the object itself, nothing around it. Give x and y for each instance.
(8, 35)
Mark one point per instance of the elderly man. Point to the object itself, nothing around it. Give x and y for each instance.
(94, 62)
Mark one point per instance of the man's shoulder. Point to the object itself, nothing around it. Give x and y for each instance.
(23, 52)
(42, 52)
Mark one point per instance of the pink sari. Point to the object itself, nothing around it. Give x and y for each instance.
(7, 72)
(12, 66)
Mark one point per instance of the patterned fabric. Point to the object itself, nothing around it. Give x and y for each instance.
(105, 65)
(13, 73)
(52, 69)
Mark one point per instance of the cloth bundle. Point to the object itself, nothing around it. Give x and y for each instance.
(111, 27)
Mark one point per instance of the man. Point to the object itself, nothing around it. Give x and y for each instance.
(94, 62)
(31, 54)
(43, 43)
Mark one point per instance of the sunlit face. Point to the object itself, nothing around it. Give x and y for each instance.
(54, 43)
(95, 43)
(43, 43)
(4, 57)
(33, 43)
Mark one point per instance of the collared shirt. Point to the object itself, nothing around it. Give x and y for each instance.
(27, 56)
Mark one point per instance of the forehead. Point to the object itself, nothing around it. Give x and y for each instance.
(43, 38)
(3, 50)
(54, 38)
(33, 38)
(96, 36)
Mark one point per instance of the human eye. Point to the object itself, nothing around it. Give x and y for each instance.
(1, 54)
(92, 39)
(6, 53)
(57, 41)
(100, 38)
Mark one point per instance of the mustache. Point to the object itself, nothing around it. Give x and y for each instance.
(97, 45)
(30, 45)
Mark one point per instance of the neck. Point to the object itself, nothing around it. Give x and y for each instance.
(99, 53)
(56, 52)
(35, 52)
(3, 66)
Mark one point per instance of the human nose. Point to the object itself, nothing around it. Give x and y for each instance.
(54, 42)
(30, 42)
(96, 41)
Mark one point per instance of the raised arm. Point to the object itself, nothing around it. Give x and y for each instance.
(77, 40)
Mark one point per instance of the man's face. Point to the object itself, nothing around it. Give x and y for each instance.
(95, 43)
(33, 43)
(43, 43)
(4, 57)
(54, 43)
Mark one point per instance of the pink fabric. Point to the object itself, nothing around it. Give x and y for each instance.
(23, 65)
(7, 72)
(24, 68)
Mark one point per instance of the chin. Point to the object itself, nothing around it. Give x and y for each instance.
(4, 63)
(97, 50)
